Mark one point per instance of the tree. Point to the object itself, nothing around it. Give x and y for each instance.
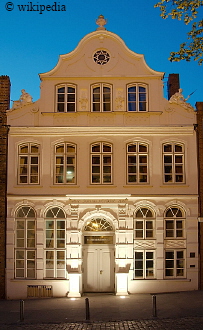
(186, 10)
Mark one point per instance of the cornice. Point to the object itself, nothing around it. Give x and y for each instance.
(94, 131)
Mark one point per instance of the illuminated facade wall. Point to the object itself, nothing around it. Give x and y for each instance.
(102, 191)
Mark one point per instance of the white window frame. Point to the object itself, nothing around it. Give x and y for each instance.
(66, 94)
(137, 100)
(141, 224)
(64, 165)
(173, 164)
(174, 268)
(23, 262)
(101, 101)
(175, 229)
(25, 168)
(52, 271)
(138, 165)
(102, 164)
(145, 264)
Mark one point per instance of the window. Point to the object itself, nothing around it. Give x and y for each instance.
(65, 163)
(173, 158)
(174, 263)
(101, 98)
(137, 163)
(101, 163)
(174, 223)
(66, 98)
(144, 224)
(137, 97)
(28, 163)
(144, 264)
(25, 252)
(55, 243)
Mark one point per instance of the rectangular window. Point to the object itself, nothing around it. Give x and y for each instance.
(66, 98)
(174, 228)
(137, 97)
(144, 264)
(28, 164)
(144, 229)
(55, 264)
(65, 163)
(174, 263)
(101, 163)
(173, 160)
(137, 163)
(101, 98)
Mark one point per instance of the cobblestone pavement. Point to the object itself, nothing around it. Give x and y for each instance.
(195, 323)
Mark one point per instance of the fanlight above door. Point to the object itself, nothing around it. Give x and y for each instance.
(98, 224)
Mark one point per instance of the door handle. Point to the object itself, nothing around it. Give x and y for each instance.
(101, 271)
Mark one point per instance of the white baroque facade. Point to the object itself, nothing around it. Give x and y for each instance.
(102, 179)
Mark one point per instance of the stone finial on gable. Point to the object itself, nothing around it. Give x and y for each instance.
(24, 99)
(178, 98)
(101, 21)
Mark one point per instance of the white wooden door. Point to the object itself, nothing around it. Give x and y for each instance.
(98, 269)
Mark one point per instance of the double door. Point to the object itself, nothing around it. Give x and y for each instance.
(98, 268)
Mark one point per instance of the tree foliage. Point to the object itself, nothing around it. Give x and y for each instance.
(186, 10)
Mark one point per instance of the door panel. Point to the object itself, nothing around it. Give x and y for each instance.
(98, 269)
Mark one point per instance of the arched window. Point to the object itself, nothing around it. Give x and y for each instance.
(65, 163)
(137, 97)
(55, 243)
(137, 163)
(174, 223)
(101, 98)
(101, 163)
(144, 224)
(173, 163)
(25, 243)
(66, 98)
(28, 163)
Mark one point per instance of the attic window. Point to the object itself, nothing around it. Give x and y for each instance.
(101, 57)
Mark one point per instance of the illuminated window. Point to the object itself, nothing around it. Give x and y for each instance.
(65, 163)
(25, 248)
(66, 98)
(144, 224)
(144, 264)
(137, 163)
(101, 163)
(174, 223)
(101, 98)
(137, 97)
(28, 163)
(173, 160)
(98, 224)
(174, 263)
(55, 243)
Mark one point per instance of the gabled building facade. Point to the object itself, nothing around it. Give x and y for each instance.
(102, 179)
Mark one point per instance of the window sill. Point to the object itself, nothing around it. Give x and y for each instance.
(102, 186)
(139, 185)
(28, 186)
(174, 185)
(65, 186)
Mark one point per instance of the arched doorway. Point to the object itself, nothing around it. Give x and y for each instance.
(98, 256)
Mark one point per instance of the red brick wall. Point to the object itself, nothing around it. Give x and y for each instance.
(173, 84)
(4, 105)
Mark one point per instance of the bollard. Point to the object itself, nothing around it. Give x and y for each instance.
(154, 306)
(87, 307)
(21, 310)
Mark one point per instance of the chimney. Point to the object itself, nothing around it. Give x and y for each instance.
(173, 84)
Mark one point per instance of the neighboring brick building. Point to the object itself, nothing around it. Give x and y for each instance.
(4, 105)
(199, 129)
